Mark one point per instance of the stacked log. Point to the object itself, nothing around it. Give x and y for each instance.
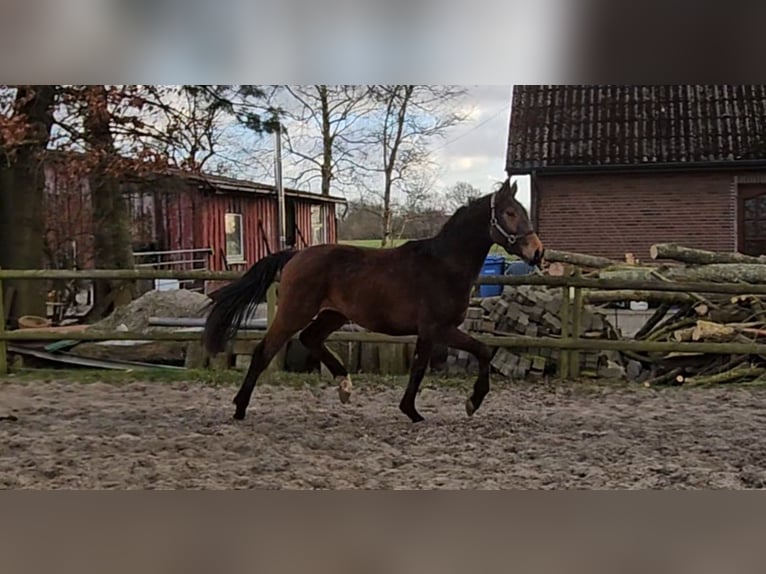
(698, 317)
(678, 317)
(532, 312)
(721, 319)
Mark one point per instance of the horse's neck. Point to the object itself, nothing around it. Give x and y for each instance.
(466, 243)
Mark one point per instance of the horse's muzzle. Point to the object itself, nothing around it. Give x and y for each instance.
(533, 251)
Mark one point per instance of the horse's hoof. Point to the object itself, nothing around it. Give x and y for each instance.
(411, 413)
(344, 389)
(469, 408)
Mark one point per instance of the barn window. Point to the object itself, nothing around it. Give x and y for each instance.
(317, 225)
(235, 246)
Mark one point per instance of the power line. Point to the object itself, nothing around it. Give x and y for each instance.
(474, 128)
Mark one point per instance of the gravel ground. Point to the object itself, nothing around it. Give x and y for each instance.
(128, 435)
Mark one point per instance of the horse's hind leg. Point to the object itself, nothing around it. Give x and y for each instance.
(457, 339)
(313, 338)
(277, 335)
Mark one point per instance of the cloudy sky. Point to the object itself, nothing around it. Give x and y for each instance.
(474, 152)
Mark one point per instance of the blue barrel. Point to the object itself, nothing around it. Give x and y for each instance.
(493, 265)
(519, 268)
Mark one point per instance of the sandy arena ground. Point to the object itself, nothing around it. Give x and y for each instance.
(179, 435)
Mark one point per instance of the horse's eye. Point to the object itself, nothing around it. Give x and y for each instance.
(510, 213)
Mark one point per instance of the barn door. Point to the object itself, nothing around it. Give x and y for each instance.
(752, 220)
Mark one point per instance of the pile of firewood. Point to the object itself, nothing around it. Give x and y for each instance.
(687, 316)
(678, 317)
(533, 312)
(720, 319)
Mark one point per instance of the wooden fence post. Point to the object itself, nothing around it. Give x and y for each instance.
(574, 367)
(271, 303)
(3, 343)
(272, 298)
(565, 353)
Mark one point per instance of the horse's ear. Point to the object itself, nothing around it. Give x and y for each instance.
(508, 189)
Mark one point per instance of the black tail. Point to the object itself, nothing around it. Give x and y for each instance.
(232, 303)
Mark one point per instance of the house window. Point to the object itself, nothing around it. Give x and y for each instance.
(235, 246)
(317, 225)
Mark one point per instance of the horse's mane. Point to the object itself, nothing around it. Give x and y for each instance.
(463, 209)
(454, 220)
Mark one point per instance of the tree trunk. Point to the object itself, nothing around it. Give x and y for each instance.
(714, 273)
(698, 256)
(111, 219)
(22, 187)
(611, 296)
(391, 150)
(580, 259)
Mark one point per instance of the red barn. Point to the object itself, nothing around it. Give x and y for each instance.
(186, 221)
(615, 169)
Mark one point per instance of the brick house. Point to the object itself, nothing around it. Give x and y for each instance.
(614, 169)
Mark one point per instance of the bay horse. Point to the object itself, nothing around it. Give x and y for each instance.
(421, 288)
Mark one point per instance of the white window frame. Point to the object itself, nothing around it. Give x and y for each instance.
(318, 230)
(234, 257)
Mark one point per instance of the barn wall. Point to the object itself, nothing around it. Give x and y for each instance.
(613, 214)
(173, 218)
(303, 221)
(253, 208)
(332, 224)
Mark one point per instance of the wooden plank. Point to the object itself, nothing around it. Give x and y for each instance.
(564, 361)
(368, 357)
(392, 359)
(195, 357)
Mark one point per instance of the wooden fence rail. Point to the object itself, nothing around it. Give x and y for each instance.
(569, 342)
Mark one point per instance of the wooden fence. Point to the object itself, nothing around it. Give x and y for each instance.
(570, 341)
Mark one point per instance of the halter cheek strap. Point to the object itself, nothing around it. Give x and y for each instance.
(510, 238)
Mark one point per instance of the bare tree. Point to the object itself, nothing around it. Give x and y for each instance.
(406, 120)
(324, 129)
(461, 194)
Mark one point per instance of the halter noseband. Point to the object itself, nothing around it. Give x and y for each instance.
(510, 238)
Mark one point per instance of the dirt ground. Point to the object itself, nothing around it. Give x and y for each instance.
(180, 435)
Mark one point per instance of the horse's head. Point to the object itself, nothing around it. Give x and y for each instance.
(510, 226)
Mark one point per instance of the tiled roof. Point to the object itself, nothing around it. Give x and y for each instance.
(558, 126)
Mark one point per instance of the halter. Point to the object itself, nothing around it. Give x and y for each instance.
(510, 238)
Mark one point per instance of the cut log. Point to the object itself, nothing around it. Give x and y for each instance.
(684, 335)
(737, 373)
(658, 315)
(709, 331)
(702, 309)
(558, 269)
(715, 272)
(579, 259)
(597, 296)
(665, 378)
(693, 256)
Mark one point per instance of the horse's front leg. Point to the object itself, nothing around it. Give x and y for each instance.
(423, 348)
(454, 337)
